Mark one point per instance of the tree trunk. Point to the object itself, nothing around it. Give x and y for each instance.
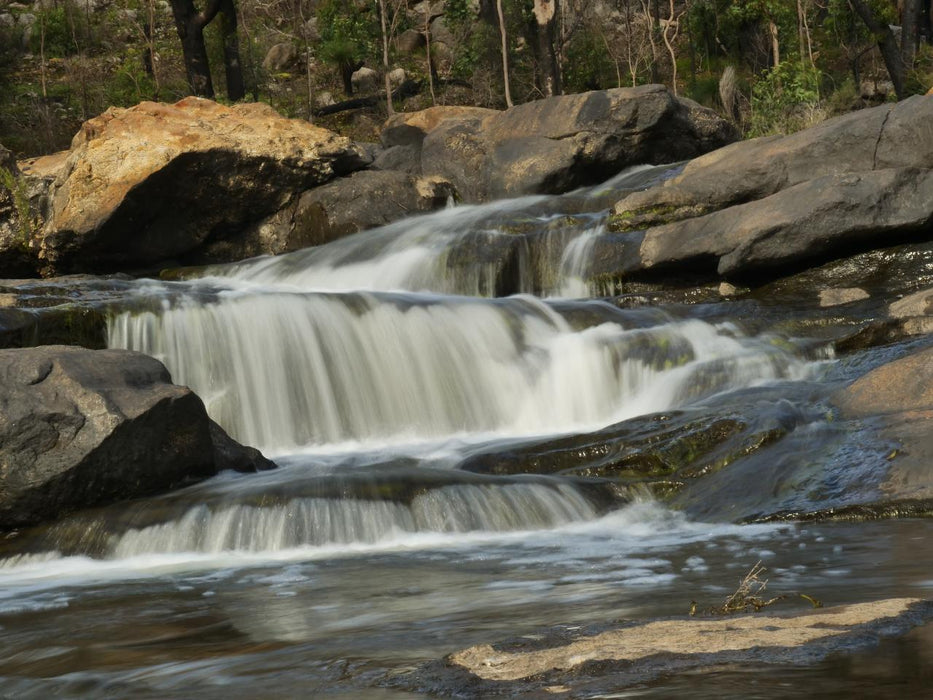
(669, 35)
(427, 50)
(890, 51)
(505, 53)
(546, 13)
(910, 33)
(390, 108)
(232, 68)
(190, 25)
(775, 43)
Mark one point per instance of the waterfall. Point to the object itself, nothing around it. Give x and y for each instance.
(504, 247)
(322, 522)
(281, 371)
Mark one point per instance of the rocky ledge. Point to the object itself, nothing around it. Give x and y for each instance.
(89, 427)
(554, 145)
(196, 182)
(767, 206)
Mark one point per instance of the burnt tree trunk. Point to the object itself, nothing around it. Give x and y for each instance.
(890, 51)
(190, 24)
(232, 68)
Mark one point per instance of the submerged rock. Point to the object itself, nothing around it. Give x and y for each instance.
(81, 428)
(588, 662)
(157, 181)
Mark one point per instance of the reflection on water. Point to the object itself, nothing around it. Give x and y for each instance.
(372, 369)
(341, 623)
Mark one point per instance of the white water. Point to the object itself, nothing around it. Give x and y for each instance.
(283, 371)
(464, 250)
(289, 368)
(624, 536)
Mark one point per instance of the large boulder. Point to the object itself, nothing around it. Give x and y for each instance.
(157, 181)
(559, 143)
(89, 427)
(365, 200)
(888, 136)
(821, 218)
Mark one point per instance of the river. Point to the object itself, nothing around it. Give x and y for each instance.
(438, 396)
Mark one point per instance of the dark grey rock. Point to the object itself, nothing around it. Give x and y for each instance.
(556, 144)
(819, 219)
(88, 427)
(871, 139)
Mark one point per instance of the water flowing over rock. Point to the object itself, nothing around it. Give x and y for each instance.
(332, 368)
(556, 144)
(157, 182)
(901, 393)
(471, 446)
(81, 428)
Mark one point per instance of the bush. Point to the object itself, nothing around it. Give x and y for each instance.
(785, 99)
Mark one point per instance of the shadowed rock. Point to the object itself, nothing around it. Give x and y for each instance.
(81, 428)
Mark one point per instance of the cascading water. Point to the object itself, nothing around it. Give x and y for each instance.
(282, 371)
(477, 250)
(371, 369)
(308, 352)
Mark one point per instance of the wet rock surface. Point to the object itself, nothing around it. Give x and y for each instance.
(81, 428)
(574, 662)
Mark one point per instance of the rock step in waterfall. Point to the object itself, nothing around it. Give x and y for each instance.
(286, 370)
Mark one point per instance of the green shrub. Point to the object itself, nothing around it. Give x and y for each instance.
(785, 99)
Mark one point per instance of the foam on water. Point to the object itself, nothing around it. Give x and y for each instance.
(627, 536)
(284, 371)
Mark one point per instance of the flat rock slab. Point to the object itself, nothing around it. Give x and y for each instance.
(618, 657)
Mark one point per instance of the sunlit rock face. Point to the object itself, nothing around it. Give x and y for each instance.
(156, 181)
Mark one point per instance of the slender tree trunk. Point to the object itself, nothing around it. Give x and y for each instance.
(427, 49)
(801, 38)
(45, 92)
(390, 108)
(505, 53)
(890, 51)
(775, 43)
(671, 29)
(232, 68)
(910, 33)
(546, 14)
(652, 16)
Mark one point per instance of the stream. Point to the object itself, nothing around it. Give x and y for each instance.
(476, 440)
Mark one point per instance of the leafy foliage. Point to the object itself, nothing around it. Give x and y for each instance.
(784, 99)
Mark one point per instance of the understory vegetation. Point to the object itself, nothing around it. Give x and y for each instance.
(773, 66)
